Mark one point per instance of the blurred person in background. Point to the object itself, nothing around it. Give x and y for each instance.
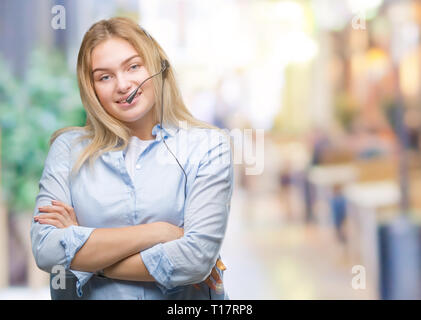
(136, 223)
(338, 206)
(370, 141)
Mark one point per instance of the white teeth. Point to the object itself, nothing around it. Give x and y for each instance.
(124, 100)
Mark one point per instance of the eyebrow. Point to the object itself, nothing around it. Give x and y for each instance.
(124, 62)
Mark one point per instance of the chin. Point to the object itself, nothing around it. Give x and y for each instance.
(132, 115)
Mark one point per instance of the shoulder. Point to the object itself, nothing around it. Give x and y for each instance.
(69, 138)
(66, 146)
(206, 143)
(64, 149)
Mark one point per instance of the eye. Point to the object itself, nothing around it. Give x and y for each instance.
(135, 66)
(104, 78)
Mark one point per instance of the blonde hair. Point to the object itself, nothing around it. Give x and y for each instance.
(105, 132)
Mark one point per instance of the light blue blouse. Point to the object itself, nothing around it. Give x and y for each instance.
(107, 197)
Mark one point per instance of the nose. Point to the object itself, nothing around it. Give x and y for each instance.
(123, 84)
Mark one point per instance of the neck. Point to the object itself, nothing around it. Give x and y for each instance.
(142, 128)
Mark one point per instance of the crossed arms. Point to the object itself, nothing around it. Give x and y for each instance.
(189, 258)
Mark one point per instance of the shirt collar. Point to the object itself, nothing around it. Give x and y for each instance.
(167, 131)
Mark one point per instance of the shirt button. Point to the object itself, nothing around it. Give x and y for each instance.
(138, 166)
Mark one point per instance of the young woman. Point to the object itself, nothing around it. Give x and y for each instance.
(134, 205)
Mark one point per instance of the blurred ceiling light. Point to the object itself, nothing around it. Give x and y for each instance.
(288, 10)
(296, 47)
(330, 14)
(377, 62)
(377, 58)
(286, 15)
(357, 6)
(409, 74)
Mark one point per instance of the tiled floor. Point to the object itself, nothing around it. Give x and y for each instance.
(273, 259)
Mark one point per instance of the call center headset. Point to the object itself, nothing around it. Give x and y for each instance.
(164, 66)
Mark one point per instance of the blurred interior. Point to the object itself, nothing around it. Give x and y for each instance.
(322, 99)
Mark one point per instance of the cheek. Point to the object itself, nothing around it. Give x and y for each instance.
(149, 93)
(104, 95)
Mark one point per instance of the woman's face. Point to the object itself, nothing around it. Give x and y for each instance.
(117, 70)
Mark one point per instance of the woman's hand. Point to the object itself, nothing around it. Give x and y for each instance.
(215, 275)
(60, 215)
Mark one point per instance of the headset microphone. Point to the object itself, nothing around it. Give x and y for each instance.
(164, 66)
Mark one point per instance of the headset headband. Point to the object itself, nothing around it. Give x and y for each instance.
(146, 32)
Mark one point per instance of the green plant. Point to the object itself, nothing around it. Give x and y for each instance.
(30, 111)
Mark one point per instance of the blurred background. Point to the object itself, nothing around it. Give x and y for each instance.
(322, 98)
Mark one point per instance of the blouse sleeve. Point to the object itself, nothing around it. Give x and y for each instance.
(53, 246)
(190, 259)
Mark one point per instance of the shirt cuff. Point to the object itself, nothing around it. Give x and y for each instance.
(82, 278)
(160, 267)
(73, 239)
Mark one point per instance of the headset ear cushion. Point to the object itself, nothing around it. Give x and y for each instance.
(164, 66)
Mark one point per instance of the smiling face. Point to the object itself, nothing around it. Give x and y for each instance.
(117, 70)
